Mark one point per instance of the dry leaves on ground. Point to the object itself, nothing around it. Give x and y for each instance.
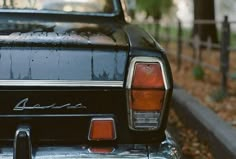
(188, 140)
(203, 89)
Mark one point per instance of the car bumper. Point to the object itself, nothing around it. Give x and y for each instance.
(166, 150)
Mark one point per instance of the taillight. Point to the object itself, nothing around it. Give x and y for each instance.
(102, 129)
(146, 93)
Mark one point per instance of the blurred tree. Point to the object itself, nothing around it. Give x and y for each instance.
(205, 10)
(5, 3)
(155, 8)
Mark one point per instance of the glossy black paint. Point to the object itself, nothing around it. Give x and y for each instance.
(141, 40)
(62, 64)
(68, 126)
(100, 46)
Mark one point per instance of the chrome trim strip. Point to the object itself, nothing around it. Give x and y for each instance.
(61, 83)
(97, 119)
(50, 115)
(129, 82)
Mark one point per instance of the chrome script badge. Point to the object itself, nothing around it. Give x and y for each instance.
(23, 105)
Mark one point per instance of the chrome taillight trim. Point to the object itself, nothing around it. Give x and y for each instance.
(61, 83)
(167, 84)
(102, 119)
(146, 60)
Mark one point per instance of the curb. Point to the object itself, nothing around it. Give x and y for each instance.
(219, 135)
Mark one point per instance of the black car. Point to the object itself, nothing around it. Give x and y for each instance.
(78, 81)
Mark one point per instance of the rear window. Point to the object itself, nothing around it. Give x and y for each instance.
(66, 6)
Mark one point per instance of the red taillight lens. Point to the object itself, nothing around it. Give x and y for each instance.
(102, 129)
(147, 75)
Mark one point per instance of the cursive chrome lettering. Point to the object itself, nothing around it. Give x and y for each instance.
(22, 105)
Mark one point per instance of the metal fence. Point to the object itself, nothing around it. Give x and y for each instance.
(223, 47)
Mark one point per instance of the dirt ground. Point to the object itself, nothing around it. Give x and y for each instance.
(204, 90)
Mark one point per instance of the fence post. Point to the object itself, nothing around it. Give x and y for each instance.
(224, 56)
(197, 49)
(179, 45)
(209, 45)
(167, 42)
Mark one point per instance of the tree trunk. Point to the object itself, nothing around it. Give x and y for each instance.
(12, 3)
(4, 4)
(205, 10)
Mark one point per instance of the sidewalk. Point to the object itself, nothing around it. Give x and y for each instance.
(220, 136)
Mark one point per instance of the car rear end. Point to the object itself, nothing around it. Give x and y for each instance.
(82, 90)
(73, 103)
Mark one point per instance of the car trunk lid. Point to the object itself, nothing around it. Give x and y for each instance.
(58, 91)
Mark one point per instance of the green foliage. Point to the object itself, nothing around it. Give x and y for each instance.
(218, 95)
(198, 72)
(155, 8)
(233, 76)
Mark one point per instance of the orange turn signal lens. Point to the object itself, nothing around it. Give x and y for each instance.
(148, 75)
(102, 129)
(147, 100)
